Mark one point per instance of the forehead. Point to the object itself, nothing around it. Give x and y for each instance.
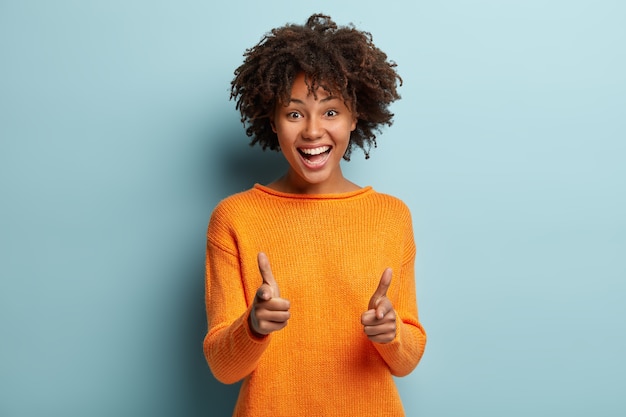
(304, 86)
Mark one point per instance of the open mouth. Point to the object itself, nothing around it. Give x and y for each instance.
(315, 156)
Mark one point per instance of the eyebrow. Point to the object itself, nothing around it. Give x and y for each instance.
(324, 100)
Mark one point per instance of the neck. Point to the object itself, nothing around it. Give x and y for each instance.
(288, 184)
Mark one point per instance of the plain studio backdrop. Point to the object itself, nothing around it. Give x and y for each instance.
(117, 139)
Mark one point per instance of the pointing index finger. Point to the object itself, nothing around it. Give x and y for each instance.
(381, 290)
(266, 273)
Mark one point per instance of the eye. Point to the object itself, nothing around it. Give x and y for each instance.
(293, 115)
(332, 113)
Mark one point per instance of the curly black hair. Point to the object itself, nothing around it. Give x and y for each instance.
(341, 60)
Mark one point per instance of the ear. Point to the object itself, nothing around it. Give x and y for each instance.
(355, 117)
(272, 124)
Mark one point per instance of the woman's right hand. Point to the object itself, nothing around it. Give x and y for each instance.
(269, 312)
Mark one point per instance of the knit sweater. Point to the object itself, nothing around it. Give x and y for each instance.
(327, 253)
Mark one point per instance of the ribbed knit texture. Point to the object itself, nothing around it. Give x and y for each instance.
(327, 253)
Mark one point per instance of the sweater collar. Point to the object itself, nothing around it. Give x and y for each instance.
(337, 196)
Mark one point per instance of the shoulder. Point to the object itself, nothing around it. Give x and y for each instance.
(231, 208)
(246, 207)
(240, 199)
(390, 203)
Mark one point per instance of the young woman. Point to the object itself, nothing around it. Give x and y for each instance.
(310, 289)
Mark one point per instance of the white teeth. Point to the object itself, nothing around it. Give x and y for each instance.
(315, 151)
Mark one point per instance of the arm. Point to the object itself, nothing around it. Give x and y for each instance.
(230, 347)
(393, 325)
(404, 351)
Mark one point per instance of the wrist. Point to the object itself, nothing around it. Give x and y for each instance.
(252, 331)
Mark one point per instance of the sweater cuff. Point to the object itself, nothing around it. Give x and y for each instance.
(235, 354)
(395, 353)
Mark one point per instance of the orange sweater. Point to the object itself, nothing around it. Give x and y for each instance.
(327, 253)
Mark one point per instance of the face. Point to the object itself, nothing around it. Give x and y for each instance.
(313, 134)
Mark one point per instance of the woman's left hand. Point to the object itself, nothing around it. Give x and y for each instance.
(379, 321)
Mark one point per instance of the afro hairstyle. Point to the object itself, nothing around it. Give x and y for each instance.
(339, 59)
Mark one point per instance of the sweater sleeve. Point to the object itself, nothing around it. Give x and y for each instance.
(230, 348)
(404, 352)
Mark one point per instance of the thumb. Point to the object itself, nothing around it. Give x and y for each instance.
(267, 276)
(381, 291)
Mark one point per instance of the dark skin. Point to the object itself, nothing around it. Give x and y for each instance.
(270, 312)
(379, 321)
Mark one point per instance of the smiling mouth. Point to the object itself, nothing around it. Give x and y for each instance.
(315, 156)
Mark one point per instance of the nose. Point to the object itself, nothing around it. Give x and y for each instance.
(313, 129)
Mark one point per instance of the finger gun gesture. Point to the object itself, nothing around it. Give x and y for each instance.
(379, 321)
(269, 312)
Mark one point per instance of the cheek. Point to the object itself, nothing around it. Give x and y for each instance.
(284, 137)
(281, 131)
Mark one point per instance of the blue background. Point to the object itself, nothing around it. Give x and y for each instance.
(117, 138)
